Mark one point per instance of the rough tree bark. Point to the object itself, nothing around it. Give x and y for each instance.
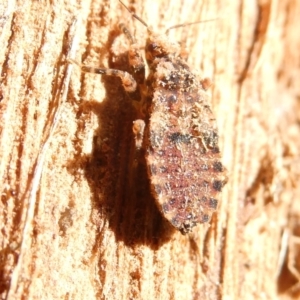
(88, 227)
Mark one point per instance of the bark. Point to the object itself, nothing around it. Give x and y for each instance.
(88, 227)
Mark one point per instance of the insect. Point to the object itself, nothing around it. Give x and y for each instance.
(177, 131)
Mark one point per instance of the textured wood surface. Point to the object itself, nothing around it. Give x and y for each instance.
(88, 228)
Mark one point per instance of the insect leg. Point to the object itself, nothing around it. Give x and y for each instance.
(138, 131)
(137, 66)
(128, 82)
(135, 58)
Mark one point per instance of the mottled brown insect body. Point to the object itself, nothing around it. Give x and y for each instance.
(178, 133)
(181, 139)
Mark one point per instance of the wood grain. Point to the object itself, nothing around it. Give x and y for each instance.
(92, 230)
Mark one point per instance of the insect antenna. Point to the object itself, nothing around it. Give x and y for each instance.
(188, 24)
(128, 34)
(134, 15)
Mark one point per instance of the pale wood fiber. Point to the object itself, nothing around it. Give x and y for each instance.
(88, 235)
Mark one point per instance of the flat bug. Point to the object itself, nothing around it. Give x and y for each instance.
(178, 132)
